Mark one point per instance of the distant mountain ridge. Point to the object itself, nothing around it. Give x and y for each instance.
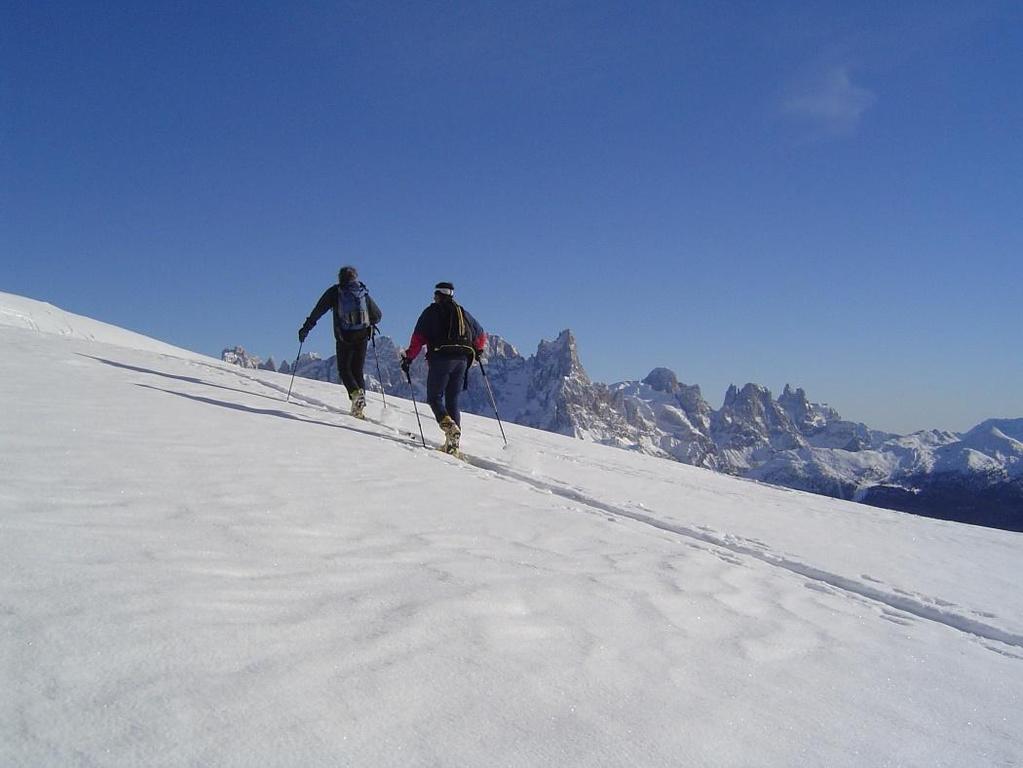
(975, 477)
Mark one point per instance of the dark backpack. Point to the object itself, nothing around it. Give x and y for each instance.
(456, 332)
(353, 306)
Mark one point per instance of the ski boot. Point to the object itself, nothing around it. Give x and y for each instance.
(358, 398)
(452, 433)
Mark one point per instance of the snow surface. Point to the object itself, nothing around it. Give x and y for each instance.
(196, 572)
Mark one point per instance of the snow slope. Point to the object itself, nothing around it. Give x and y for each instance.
(196, 572)
(789, 441)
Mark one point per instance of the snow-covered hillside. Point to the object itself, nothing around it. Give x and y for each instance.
(196, 572)
(788, 441)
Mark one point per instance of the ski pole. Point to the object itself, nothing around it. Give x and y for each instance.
(414, 405)
(380, 377)
(295, 368)
(493, 402)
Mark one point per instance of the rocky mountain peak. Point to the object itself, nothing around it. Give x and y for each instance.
(688, 396)
(560, 353)
(1010, 428)
(662, 380)
(558, 361)
(796, 405)
(794, 396)
(238, 356)
(752, 401)
(497, 347)
(751, 425)
(730, 395)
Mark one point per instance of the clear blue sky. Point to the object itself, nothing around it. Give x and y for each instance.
(822, 193)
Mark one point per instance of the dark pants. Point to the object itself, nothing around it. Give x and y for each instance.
(444, 384)
(351, 359)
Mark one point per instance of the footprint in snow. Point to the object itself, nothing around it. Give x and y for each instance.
(1002, 651)
(816, 586)
(730, 559)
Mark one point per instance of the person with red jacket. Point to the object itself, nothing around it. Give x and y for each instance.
(453, 341)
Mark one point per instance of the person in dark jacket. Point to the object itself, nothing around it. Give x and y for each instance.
(355, 315)
(453, 340)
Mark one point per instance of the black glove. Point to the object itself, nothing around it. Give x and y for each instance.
(405, 363)
(302, 333)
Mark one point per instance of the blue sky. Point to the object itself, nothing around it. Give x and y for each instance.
(821, 193)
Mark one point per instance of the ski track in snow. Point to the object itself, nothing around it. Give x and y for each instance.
(895, 602)
(937, 610)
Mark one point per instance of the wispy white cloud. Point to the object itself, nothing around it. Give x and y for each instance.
(829, 101)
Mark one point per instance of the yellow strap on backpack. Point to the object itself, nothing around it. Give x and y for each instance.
(467, 348)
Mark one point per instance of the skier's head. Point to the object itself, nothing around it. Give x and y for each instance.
(443, 291)
(346, 274)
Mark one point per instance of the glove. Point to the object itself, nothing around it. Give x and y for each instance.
(302, 333)
(478, 355)
(405, 362)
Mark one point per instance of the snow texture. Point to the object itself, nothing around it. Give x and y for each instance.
(197, 572)
(791, 442)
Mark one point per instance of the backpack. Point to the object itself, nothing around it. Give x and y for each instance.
(353, 307)
(456, 333)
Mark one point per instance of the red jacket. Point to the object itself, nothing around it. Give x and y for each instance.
(432, 330)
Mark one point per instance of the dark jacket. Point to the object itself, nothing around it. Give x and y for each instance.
(329, 302)
(438, 325)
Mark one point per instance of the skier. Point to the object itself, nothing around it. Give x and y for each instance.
(453, 340)
(355, 318)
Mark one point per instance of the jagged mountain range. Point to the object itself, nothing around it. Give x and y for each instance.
(974, 477)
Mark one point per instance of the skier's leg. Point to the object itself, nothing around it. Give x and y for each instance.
(436, 380)
(453, 389)
(347, 356)
(438, 383)
(344, 367)
(358, 364)
(450, 422)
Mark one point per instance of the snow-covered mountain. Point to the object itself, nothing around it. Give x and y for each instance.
(789, 441)
(199, 571)
(238, 356)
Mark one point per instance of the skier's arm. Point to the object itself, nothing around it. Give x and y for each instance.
(479, 336)
(480, 342)
(322, 307)
(420, 336)
(375, 315)
(416, 343)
